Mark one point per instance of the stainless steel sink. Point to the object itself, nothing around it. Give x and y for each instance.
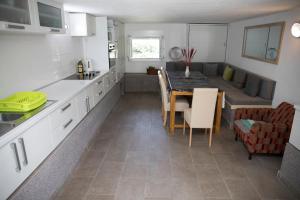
(10, 120)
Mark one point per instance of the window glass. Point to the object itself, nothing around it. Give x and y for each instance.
(145, 48)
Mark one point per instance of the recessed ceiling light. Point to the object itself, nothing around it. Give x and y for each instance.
(296, 30)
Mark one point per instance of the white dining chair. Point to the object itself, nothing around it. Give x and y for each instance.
(181, 103)
(202, 112)
(163, 73)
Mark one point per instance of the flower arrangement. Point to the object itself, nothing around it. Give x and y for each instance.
(188, 55)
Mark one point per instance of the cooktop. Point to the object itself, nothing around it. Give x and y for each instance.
(85, 76)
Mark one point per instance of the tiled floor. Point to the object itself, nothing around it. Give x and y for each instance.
(133, 158)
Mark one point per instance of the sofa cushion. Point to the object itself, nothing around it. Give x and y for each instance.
(267, 89)
(236, 96)
(210, 69)
(252, 85)
(239, 78)
(197, 66)
(227, 75)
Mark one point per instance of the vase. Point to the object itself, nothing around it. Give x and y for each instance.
(187, 72)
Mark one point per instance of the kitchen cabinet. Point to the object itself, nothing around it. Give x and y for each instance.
(22, 155)
(107, 82)
(112, 30)
(82, 104)
(50, 16)
(98, 92)
(37, 16)
(63, 120)
(82, 24)
(17, 15)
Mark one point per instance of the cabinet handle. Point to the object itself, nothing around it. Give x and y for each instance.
(68, 123)
(99, 82)
(100, 93)
(54, 30)
(66, 107)
(15, 26)
(87, 104)
(15, 149)
(21, 141)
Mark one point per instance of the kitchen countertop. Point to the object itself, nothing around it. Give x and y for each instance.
(60, 91)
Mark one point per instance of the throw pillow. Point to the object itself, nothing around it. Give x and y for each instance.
(267, 89)
(239, 78)
(252, 85)
(227, 75)
(210, 69)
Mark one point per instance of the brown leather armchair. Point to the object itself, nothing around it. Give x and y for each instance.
(269, 133)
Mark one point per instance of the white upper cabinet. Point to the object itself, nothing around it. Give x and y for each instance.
(17, 15)
(82, 24)
(38, 16)
(50, 16)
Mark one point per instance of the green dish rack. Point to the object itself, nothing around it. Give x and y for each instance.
(22, 101)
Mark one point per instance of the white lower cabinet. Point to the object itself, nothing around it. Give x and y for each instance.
(22, 155)
(82, 104)
(63, 120)
(98, 92)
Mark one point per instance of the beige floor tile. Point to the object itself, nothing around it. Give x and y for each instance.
(75, 188)
(99, 197)
(242, 189)
(157, 187)
(208, 173)
(130, 189)
(104, 185)
(133, 170)
(214, 189)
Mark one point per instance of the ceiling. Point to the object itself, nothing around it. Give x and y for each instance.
(180, 11)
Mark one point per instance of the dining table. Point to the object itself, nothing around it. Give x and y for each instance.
(179, 85)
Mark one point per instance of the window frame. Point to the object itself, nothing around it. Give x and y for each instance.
(130, 38)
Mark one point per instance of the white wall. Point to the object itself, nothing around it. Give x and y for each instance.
(287, 72)
(96, 47)
(210, 42)
(174, 35)
(29, 61)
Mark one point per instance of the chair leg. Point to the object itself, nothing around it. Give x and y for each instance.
(183, 127)
(210, 137)
(191, 135)
(165, 118)
(250, 156)
(205, 131)
(236, 137)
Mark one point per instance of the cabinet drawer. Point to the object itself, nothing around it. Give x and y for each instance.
(60, 132)
(98, 90)
(66, 111)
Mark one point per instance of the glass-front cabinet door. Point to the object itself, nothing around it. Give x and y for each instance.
(50, 16)
(16, 15)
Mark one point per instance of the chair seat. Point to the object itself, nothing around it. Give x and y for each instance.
(181, 104)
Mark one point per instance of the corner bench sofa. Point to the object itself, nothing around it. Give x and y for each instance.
(235, 97)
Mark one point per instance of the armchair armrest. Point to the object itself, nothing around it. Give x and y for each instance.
(257, 114)
(263, 130)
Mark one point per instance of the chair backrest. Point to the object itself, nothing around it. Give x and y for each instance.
(163, 73)
(284, 114)
(203, 107)
(164, 91)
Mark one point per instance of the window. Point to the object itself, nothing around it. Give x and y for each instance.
(145, 48)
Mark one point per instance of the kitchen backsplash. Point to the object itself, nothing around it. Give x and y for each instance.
(29, 61)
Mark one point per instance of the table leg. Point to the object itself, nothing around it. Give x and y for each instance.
(172, 112)
(218, 117)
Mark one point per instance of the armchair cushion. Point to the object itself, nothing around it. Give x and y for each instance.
(256, 114)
